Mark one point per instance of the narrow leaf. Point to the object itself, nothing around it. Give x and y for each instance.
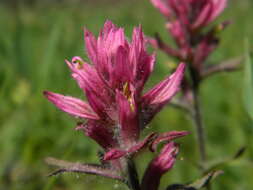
(205, 180)
(248, 82)
(77, 167)
(198, 184)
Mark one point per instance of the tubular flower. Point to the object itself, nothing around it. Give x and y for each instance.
(159, 166)
(116, 109)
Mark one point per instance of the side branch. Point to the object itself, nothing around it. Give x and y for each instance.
(167, 49)
(76, 167)
(226, 66)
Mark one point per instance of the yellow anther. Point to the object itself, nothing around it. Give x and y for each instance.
(79, 63)
(126, 90)
(127, 94)
(132, 107)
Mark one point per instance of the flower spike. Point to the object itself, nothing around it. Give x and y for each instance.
(113, 80)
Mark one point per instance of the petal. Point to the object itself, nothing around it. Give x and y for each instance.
(100, 132)
(128, 119)
(118, 153)
(159, 166)
(71, 105)
(153, 42)
(181, 10)
(91, 45)
(136, 48)
(121, 71)
(96, 102)
(158, 96)
(168, 136)
(219, 6)
(108, 26)
(109, 40)
(142, 144)
(178, 33)
(88, 79)
(142, 64)
(85, 74)
(144, 69)
(204, 49)
(114, 154)
(203, 16)
(162, 7)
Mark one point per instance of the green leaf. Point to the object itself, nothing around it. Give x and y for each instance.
(198, 184)
(205, 180)
(248, 82)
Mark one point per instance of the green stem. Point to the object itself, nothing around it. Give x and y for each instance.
(199, 127)
(132, 176)
(198, 117)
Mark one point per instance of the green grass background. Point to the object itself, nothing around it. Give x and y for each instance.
(35, 40)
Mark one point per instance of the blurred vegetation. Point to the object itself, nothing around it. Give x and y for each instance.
(36, 37)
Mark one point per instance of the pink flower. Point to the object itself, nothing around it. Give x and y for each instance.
(116, 109)
(191, 13)
(186, 20)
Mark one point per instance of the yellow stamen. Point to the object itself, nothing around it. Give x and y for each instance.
(126, 90)
(130, 100)
(127, 94)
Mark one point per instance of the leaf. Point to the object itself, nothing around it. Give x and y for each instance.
(198, 184)
(248, 82)
(239, 153)
(76, 167)
(205, 180)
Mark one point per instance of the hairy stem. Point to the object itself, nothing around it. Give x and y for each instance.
(199, 127)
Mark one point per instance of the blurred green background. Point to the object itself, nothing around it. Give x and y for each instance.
(36, 37)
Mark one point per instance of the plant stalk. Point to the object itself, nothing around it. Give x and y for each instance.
(197, 117)
(132, 176)
(199, 127)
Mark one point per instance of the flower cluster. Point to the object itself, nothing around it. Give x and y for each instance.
(117, 110)
(186, 20)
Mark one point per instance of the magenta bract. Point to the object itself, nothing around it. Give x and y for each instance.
(159, 166)
(186, 20)
(191, 13)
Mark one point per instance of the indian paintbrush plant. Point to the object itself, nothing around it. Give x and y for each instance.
(117, 110)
